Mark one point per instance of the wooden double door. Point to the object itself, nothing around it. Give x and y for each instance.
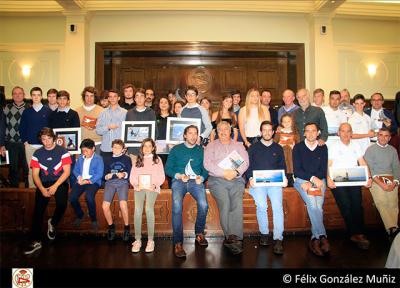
(213, 68)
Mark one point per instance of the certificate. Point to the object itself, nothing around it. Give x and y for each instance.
(231, 162)
(269, 178)
(145, 182)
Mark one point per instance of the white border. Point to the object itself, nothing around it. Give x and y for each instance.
(195, 121)
(79, 140)
(258, 173)
(353, 183)
(132, 123)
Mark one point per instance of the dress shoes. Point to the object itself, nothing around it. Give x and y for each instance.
(178, 250)
(314, 246)
(201, 240)
(264, 240)
(324, 244)
(360, 241)
(278, 247)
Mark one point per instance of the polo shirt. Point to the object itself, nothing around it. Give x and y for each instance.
(361, 124)
(343, 156)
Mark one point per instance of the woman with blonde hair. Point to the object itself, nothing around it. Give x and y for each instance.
(251, 116)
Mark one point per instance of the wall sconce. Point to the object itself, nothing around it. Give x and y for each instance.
(26, 71)
(372, 70)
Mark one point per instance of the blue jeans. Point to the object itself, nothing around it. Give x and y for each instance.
(179, 190)
(314, 208)
(259, 195)
(77, 191)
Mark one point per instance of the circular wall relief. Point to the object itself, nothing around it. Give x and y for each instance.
(201, 78)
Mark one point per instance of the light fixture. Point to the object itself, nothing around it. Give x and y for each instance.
(26, 71)
(372, 70)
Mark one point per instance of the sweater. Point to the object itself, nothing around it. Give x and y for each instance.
(181, 155)
(118, 164)
(96, 168)
(2, 129)
(198, 112)
(13, 115)
(32, 122)
(155, 170)
(383, 160)
(264, 157)
(60, 119)
(311, 115)
(94, 113)
(307, 163)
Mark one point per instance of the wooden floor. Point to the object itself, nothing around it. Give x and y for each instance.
(88, 251)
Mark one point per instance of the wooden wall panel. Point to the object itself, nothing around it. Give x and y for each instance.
(16, 210)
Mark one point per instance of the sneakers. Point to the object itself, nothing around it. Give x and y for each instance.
(136, 246)
(264, 240)
(201, 240)
(278, 247)
(126, 235)
(149, 246)
(36, 245)
(111, 233)
(51, 231)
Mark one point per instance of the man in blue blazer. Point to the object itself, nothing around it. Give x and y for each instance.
(89, 170)
(388, 121)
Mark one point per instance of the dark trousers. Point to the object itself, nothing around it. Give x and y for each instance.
(90, 195)
(41, 202)
(349, 201)
(16, 152)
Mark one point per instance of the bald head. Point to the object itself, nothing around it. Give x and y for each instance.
(303, 96)
(345, 132)
(288, 97)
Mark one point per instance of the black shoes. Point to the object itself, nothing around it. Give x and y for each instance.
(264, 240)
(201, 240)
(234, 244)
(111, 233)
(126, 235)
(278, 247)
(360, 241)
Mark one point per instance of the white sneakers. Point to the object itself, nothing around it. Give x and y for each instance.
(138, 244)
(149, 246)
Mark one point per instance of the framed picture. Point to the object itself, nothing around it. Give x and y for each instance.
(144, 182)
(268, 178)
(4, 160)
(350, 176)
(176, 127)
(162, 147)
(69, 138)
(134, 132)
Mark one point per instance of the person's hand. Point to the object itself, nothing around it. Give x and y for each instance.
(229, 174)
(26, 143)
(52, 189)
(369, 182)
(3, 151)
(198, 180)
(112, 126)
(306, 185)
(285, 182)
(247, 143)
(321, 142)
(318, 182)
(108, 176)
(121, 175)
(387, 122)
(185, 178)
(371, 133)
(331, 184)
(80, 180)
(251, 182)
(45, 192)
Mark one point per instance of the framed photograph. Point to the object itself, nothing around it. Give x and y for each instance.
(134, 132)
(4, 160)
(69, 138)
(162, 147)
(350, 176)
(144, 182)
(176, 127)
(268, 178)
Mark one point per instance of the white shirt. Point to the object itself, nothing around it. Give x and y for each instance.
(343, 156)
(85, 168)
(361, 124)
(333, 118)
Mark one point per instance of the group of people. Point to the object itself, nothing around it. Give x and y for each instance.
(305, 140)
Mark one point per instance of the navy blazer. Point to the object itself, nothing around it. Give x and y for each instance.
(96, 168)
(388, 114)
